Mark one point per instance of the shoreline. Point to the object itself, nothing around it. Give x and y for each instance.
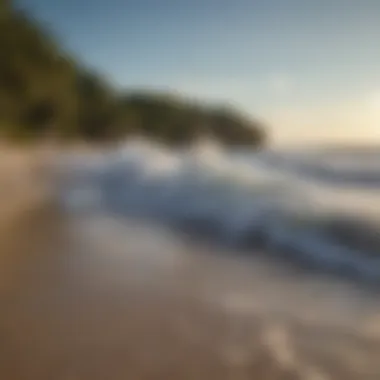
(24, 182)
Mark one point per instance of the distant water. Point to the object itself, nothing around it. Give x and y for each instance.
(318, 208)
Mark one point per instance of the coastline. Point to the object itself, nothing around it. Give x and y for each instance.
(23, 181)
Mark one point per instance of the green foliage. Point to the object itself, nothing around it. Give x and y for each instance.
(46, 92)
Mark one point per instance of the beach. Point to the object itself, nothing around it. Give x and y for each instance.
(85, 295)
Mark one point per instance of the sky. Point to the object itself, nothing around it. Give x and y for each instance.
(309, 68)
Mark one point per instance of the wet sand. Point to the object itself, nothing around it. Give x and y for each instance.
(85, 297)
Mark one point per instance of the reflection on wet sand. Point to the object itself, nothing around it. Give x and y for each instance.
(84, 297)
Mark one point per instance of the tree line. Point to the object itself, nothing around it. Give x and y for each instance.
(47, 92)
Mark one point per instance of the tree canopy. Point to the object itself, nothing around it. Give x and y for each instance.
(44, 91)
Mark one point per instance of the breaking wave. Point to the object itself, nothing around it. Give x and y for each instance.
(239, 199)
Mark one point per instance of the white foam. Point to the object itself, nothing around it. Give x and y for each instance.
(240, 195)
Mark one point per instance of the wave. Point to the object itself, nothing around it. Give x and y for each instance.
(233, 198)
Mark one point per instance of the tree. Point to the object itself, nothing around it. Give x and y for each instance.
(45, 91)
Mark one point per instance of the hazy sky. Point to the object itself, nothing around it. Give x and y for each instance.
(309, 67)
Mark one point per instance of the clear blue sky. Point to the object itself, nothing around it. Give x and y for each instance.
(285, 60)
